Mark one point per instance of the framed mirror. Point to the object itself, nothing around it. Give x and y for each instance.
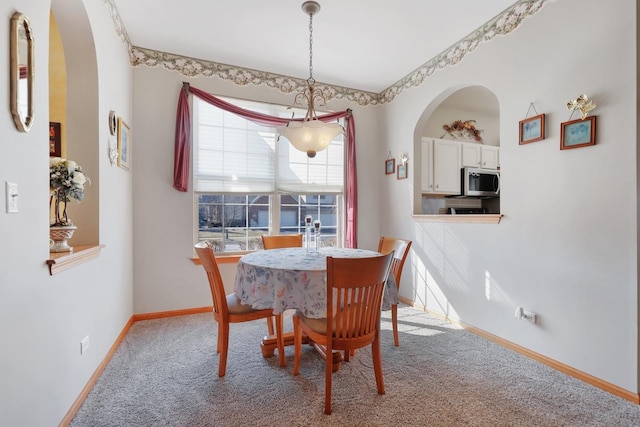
(22, 71)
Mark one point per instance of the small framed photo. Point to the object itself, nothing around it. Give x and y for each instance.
(578, 133)
(402, 170)
(389, 166)
(55, 141)
(532, 129)
(124, 145)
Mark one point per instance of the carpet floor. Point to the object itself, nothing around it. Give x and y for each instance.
(164, 373)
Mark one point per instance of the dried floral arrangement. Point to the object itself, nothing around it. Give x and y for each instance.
(462, 128)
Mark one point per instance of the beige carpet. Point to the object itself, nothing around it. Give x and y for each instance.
(165, 374)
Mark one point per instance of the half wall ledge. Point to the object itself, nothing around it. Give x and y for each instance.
(461, 219)
(62, 261)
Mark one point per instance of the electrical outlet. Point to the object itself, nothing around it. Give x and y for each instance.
(84, 345)
(530, 316)
(522, 314)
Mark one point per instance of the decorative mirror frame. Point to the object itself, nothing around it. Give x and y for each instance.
(21, 33)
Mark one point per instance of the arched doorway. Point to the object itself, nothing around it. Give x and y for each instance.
(443, 154)
(77, 72)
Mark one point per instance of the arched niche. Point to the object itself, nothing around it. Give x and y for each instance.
(462, 102)
(80, 126)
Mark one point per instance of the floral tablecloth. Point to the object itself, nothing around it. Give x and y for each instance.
(291, 278)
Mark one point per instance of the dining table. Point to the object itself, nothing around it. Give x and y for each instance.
(295, 278)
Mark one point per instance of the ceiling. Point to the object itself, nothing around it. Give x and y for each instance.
(360, 44)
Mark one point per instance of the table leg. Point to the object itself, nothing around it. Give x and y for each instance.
(269, 346)
(269, 343)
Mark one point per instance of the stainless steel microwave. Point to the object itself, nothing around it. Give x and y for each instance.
(480, 182)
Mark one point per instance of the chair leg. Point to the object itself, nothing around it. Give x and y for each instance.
(220, 334)
(328, 372)
(394, 321)
(297, 349)
(280, 340)
(223, 341)
(270, 325)
(377, 363)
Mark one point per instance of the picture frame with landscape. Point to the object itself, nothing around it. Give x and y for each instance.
(402, 171)
(389, 166)
(532, 129)
(578, 133)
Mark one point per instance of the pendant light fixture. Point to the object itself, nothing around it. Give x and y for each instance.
(311, 134)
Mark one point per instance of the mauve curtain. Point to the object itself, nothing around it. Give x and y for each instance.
(183, 143)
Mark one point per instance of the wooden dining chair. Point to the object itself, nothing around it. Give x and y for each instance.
(228, 309)
(400, 250)
(354, 296)
(282, 241)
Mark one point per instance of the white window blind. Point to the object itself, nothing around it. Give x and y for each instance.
(299, 174)
(231, 154)
(234, 155)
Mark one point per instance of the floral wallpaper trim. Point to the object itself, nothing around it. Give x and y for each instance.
(502, 24)
(191, 67)
(117, 22)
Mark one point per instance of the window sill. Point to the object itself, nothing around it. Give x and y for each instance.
(61, 261)
(473, 219)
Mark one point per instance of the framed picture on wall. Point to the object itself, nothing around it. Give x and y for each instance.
(389, 166)
(402, 170)
(578, 133)
(124, 145)
(532, 129)
(55, 142)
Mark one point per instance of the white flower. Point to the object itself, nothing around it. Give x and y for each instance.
(79, 178)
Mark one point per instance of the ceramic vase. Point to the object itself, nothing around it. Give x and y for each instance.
(59, 235)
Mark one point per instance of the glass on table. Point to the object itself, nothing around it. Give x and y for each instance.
(316, 227)
(307, 232)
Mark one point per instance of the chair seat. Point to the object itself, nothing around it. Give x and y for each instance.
(236, 307)
(316, 325)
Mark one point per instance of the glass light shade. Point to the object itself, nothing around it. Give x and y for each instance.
(311, 135)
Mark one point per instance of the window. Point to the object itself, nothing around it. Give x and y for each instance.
(248, 183)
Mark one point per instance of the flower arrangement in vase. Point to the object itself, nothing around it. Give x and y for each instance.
(66, 182)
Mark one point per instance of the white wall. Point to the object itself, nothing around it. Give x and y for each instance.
(567, 245)
(42, 317)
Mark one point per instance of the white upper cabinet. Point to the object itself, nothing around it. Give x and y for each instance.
(480, 156)
(441, 163)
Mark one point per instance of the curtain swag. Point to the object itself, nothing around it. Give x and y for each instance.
(183, 148)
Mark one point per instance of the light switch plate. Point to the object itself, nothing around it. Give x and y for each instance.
(12, 197)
